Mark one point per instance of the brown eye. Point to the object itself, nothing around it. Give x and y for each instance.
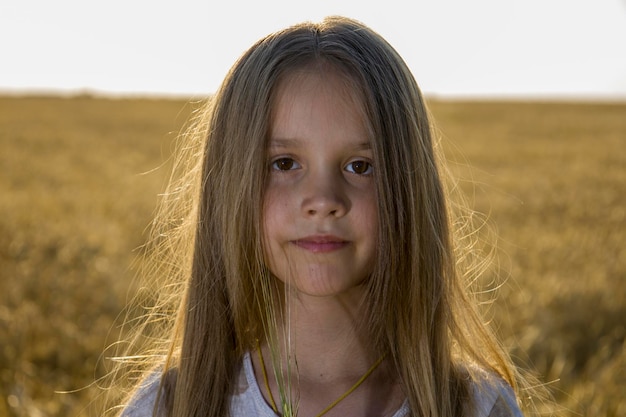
(359, 167)
(284, 164)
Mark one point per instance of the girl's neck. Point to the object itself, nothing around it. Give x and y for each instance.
(328, 336)
(332, 352)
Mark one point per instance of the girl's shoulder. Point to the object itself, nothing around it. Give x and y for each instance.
(142, 402)
(493, 396)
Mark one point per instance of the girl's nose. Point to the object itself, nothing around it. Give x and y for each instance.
(323, 196)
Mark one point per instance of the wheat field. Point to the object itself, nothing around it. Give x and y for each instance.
(79, 179)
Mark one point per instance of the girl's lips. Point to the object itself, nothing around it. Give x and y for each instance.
(321, 244)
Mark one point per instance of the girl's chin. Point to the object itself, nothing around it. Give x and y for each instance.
(324, 288)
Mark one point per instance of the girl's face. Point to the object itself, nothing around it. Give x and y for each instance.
(320, 210)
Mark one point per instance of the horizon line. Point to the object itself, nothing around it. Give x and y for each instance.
(436, 96)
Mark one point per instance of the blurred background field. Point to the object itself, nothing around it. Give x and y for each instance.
(79, 179)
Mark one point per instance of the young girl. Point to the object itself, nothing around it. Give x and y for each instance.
(321, 276)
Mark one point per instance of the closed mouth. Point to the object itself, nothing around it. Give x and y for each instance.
(321, 244)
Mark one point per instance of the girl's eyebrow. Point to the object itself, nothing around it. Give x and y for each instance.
(294, 142)
(283, 142)
(365, 146)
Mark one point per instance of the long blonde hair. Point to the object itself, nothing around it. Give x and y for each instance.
(210, 232)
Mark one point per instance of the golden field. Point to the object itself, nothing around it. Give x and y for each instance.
(79, 179)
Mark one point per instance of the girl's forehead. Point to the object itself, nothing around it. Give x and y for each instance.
(312, 107)
(324, 82)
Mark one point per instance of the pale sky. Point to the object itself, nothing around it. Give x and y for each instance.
(527, 48)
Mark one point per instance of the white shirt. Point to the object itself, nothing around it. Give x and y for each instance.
(495, 399)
